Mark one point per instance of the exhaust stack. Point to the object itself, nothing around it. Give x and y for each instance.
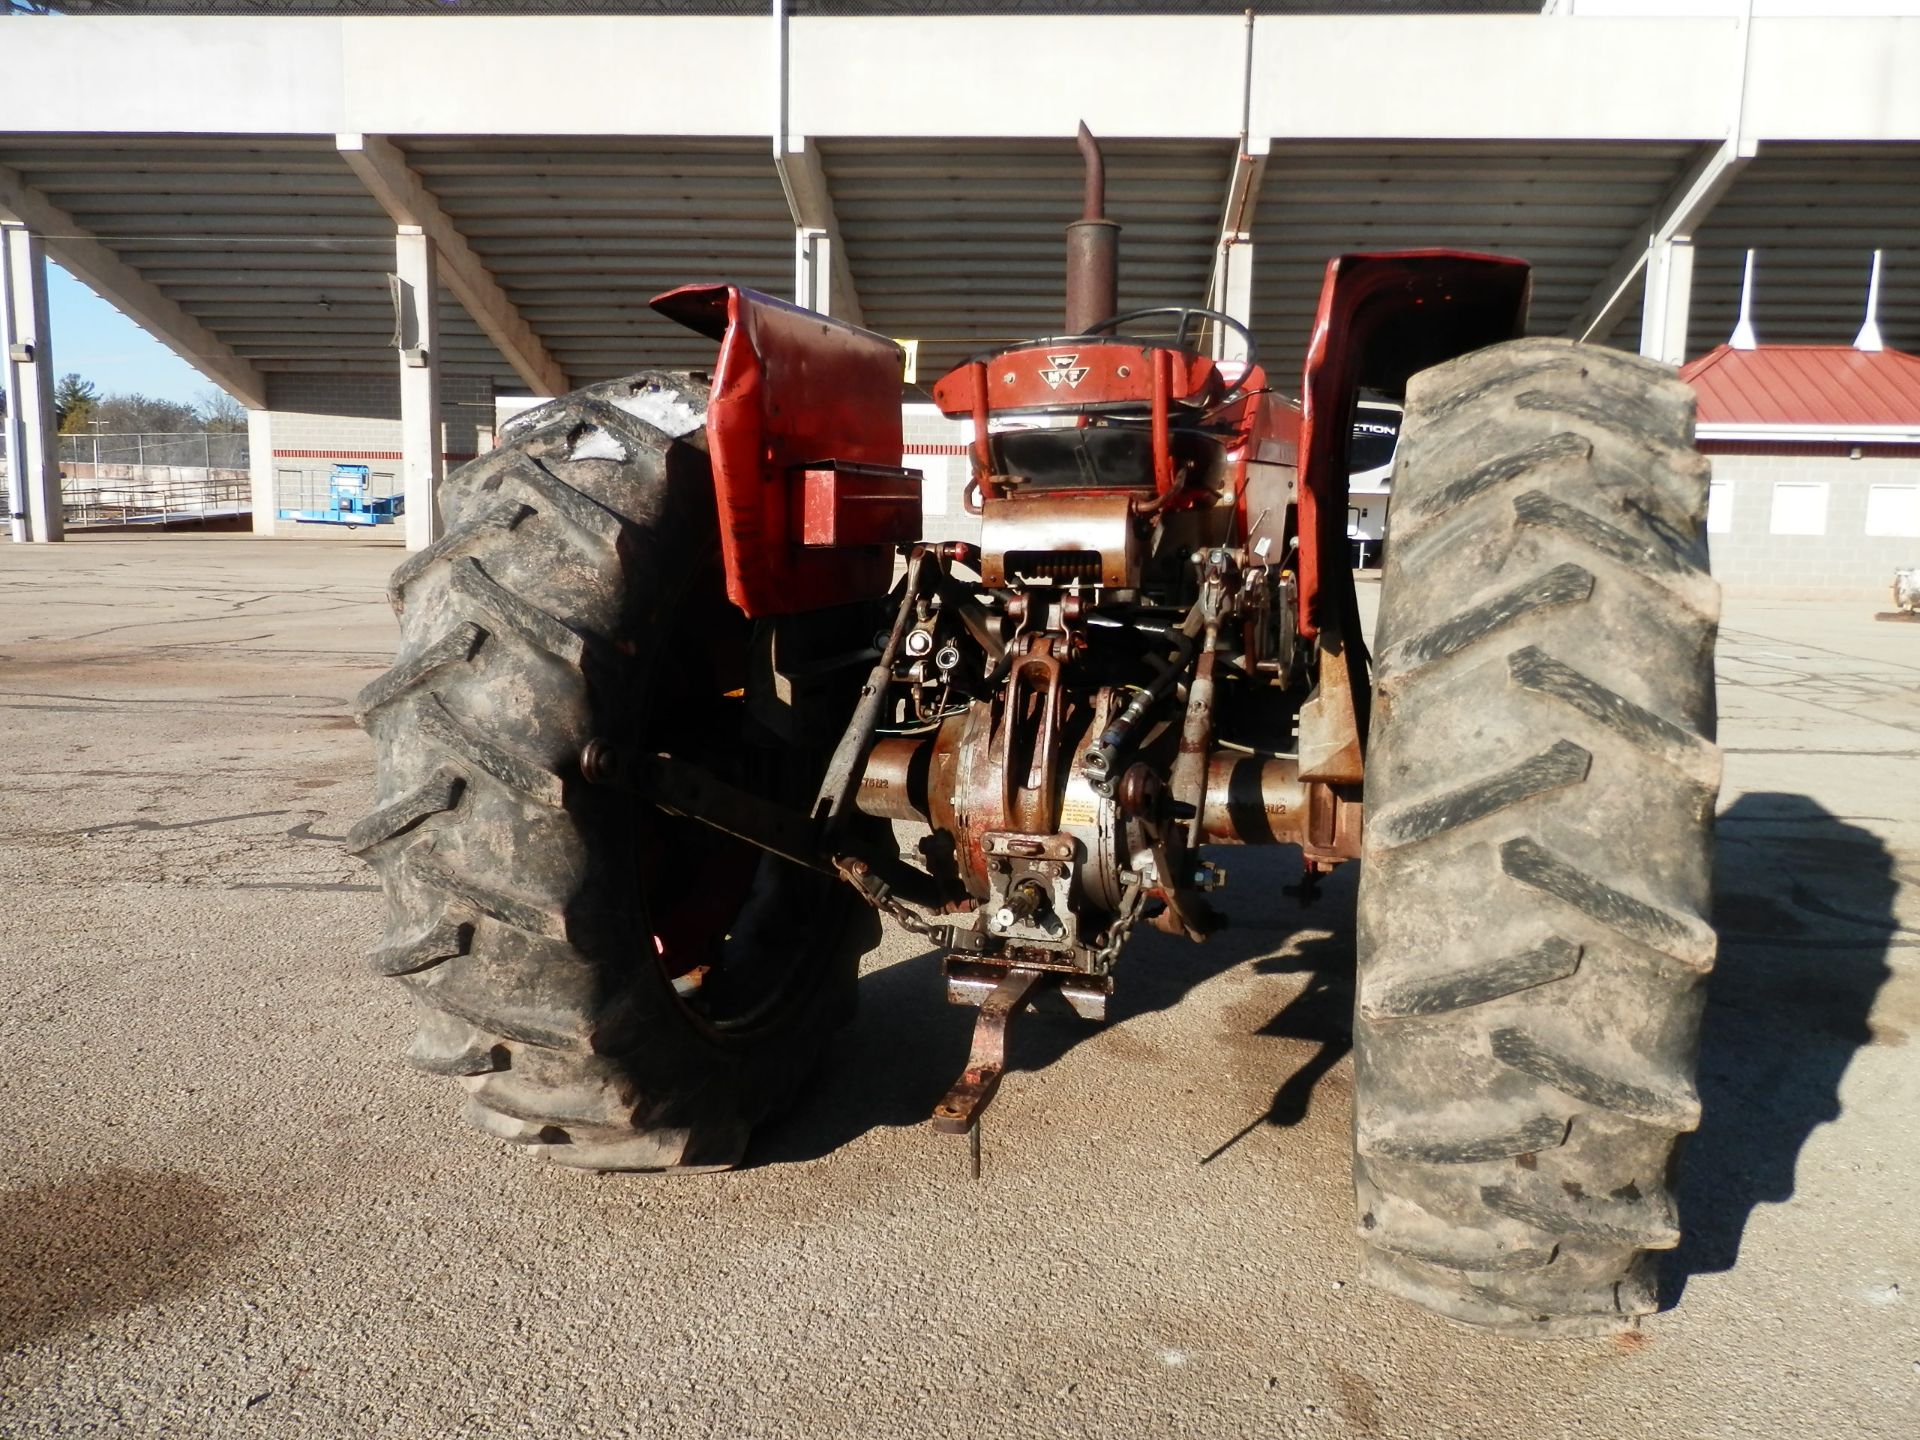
(1093, 249)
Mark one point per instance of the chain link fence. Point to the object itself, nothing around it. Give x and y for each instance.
(151, 477)
(91, 456)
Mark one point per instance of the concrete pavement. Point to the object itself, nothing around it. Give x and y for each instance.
(227, 1209)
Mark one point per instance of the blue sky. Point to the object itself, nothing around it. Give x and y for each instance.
(92, 339)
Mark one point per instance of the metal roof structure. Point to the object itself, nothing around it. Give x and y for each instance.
(761, 7)
(270, 242)
(1798, 387)
(235, 181)
(962, 247)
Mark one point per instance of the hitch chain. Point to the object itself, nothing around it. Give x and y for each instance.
(874, 891)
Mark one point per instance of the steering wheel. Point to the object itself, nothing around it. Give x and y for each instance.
(1188, 315)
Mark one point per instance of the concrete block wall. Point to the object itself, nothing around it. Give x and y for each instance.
(337, 414)
(1842, 561)
(937, 447)
(316, 420)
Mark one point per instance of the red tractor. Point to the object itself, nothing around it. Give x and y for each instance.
(684, 706)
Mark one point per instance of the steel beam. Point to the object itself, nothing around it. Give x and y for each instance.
(1669, 300)
(422, 455)
(1231, 288)
(407, 201)
(93, 264)
(824, 279)
(1684, 208)
(33, 461)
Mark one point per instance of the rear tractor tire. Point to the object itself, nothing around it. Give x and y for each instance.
(1537, 863)
(613, 989)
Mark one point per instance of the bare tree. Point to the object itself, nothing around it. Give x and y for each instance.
(135, 414)
(220, 413)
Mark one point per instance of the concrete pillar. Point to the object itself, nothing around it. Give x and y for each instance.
(1669, 300)
(422, 460)
(813, 269)
(33, 456)
(1236, 298)
(260, 472)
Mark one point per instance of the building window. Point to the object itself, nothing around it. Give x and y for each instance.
(1893, 510)
(1799, 507)
(1720, 507)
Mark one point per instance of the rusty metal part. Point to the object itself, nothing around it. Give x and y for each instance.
(1335, 819)
(1093, 249)
(982, 447)
(1087, 374)
(686, 790)
(1031, 890)
(960, 1111)
(1033, 527)
(1027, 899)
(877, 893)
(1029, 738)
(834, 801)
(1189, 779)
(1163, 476)
(1218, 584)
(970, 982)
(599, 763)
(956, 552)
(1094, 202)
(1253, 800)
(1097, 822)
(1101, 763)
(1331, 745)
(1146, 799)
(962, 792)
(960, 601)
(894, 784)
(683, 789)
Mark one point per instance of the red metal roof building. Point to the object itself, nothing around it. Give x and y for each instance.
(1816, 466)
(1807, 394)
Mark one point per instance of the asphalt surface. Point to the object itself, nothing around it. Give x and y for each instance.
(226, 1208)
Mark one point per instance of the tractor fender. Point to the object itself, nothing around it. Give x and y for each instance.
(804, 439)
(1382, 319)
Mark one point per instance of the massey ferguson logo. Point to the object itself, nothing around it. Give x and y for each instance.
(1064, 371)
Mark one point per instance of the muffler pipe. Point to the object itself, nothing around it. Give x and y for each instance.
(1093, 249)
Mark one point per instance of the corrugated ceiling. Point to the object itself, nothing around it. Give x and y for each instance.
(274, 245)
(963, 248)
(1569, 209)
(582, 233)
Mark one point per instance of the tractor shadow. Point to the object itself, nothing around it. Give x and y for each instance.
(907, 1046)
(1805, 911)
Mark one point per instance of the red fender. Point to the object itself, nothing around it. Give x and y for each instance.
(1382, 319)
(803, 434)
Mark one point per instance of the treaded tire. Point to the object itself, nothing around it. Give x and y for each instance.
(1537, 859)
(576, 558)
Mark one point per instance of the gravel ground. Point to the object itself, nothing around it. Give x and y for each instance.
(226, 1208)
